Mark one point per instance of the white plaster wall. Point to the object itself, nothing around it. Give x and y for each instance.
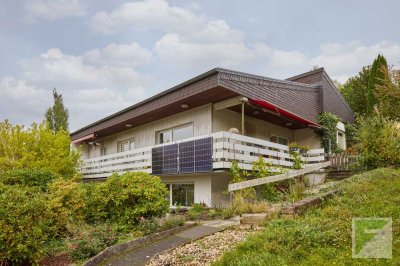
(202, 185)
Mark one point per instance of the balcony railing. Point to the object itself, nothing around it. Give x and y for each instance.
(227, 147)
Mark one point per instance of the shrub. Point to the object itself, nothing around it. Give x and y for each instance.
(127, 198)
(170, 222)
(327, 133)
(87, 241)
(67, 201)
(36, 147)
(25, 224)
(379, 142)
(28, 177)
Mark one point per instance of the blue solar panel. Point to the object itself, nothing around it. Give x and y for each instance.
(203, 155)
(170, 159)
(186, 157)
(157, 160)
(194, 156)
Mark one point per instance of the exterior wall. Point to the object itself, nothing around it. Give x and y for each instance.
(307, 137)
(219, 184)
(202, 185)
(225, 119)
(145, 135)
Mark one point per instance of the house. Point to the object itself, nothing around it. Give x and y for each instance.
(190, 134)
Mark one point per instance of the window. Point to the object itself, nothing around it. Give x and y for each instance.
(174, 134)
(279, 140)
(104, 150)
(181, 194)
(126, 145)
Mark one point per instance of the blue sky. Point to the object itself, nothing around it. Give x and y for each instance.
(104, 55)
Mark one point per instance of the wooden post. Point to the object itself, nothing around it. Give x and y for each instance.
(243, 118)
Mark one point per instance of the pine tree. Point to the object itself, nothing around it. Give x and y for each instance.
(57, 115)
(376, 78)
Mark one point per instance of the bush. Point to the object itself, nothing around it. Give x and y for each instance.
(170, 222)
(87, 241)
(67, 201)
(28, 177)
(25, 224)
(36, 147)
(127, 198)
(327, 133)
(379, 142)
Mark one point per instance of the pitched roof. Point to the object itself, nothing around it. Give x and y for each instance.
(295, 95)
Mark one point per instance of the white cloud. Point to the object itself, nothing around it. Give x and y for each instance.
(53, 9)
(22, 103)
(145, 15)
(125, 55)
(90, 90)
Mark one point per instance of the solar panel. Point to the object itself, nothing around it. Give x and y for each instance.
(194, 156)
(203, 155)
(170, 160)
(157, 160)
(186, 157)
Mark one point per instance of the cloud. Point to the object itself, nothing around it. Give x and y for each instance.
(91, 90)
(124, 55)
(21, 102)
(146, 15)
(53, 9)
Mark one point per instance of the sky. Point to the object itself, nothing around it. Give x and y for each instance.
(105, 55)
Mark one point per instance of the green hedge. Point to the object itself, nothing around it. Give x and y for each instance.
(25, 224)
(28, 177)
(127, 198)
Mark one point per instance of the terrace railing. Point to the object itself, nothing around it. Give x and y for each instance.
(226, 148)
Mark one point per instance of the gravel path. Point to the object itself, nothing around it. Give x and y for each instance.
(205, 250)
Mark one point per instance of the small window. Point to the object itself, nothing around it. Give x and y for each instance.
(279, 140)
(126, 145)
(174, 134)
(183, 132)
(181, 194)
(104, 150)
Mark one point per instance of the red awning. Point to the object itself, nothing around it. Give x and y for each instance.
(85, 138)
(283, 112)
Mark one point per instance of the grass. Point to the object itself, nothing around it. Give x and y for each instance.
(324, 235)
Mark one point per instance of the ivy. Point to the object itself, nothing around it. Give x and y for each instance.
(327, 133)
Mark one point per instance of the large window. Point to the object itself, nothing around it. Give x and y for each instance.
(126, 145)
(279, 140)
(181, 194)
(175, 133)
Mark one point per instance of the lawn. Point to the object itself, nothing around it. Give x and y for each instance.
(323, 236)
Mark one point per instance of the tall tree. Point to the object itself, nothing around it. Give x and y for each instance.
(355, 91)
(388, 95)
(376, 78)
(57, 115)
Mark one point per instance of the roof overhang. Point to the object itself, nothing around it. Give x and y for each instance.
(87, 138)
(283, 113)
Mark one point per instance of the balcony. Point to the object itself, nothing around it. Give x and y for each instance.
(225, 148)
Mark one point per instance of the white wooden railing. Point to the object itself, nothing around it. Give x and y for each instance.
(227, 147)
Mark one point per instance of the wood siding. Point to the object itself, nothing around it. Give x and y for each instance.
(145, 135)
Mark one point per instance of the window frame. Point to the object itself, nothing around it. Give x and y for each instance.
(279, 137)
(170, 191)
(129, 142)
(171, 132)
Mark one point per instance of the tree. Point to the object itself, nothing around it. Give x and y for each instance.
(36, 147)
(388, 94)
(355, 91)
(57, 115)
(376, 78)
